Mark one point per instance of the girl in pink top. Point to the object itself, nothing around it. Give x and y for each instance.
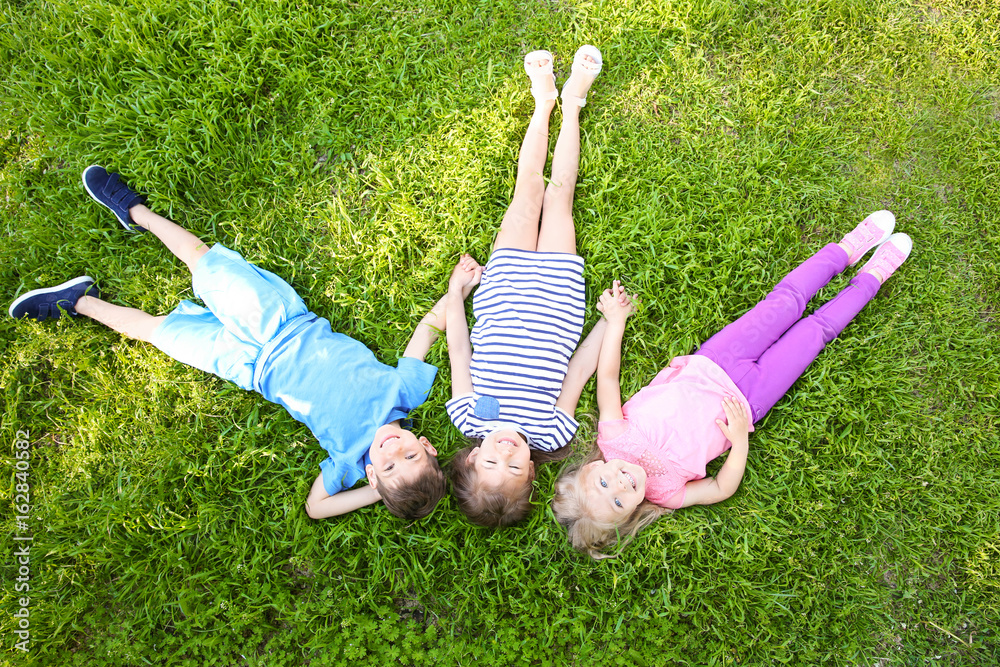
(651, 451)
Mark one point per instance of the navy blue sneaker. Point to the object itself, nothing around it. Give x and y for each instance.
(111, 192)
(48, 303)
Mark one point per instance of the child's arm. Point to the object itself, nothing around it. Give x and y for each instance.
(616, 306)
(581, 366)
(716, 489)
(435, 321)
(465, 276)
(427, 331)
(321, 505)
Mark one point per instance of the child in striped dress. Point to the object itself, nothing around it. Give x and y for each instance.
(651, 452)
(516, 380)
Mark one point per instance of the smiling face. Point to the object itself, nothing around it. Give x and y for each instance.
(398, 456)
(612, 489)
(503, 459)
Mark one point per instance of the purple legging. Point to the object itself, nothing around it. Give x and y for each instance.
(764, 353)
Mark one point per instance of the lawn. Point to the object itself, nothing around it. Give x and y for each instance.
(356, 148)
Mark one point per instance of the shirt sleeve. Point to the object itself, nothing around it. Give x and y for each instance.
(417, 378)
(458, 410)
(338, 476)
(565, 427)
(609, 430)
(676, 501)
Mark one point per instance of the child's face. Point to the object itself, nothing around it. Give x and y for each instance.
(397, 456)
(502, 459)
(612, 489)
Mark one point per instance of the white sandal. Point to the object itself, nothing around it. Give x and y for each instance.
(584, 67)
(533, 71)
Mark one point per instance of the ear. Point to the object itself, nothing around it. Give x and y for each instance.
(531, 470)
(428, 446)
(372, 479)
(471, 458)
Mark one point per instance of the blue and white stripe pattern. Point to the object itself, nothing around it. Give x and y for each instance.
(529, 311)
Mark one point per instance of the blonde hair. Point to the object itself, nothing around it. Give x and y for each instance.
(586, 533)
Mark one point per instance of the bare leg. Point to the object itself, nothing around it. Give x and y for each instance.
(558, 233)
(519, 228)
(185, 245)
(131, 322)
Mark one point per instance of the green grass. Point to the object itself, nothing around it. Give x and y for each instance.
(356, 149)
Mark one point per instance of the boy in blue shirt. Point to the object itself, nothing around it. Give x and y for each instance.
(257, 332)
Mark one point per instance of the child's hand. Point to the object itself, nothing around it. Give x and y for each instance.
(615, 304)
(466, 275)
(736, 428)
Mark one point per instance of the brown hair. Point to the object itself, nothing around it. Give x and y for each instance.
(418, 498)
(484, 507)
(493, 509)
(586, 533)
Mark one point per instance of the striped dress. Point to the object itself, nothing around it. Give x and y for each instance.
(529, 312)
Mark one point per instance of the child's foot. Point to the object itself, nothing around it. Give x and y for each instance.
(111, 192)
(587, 64)
(872, 231)
(538, 67)
(50, 302)
(888, 257)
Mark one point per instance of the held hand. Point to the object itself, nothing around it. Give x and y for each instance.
(466, 275)
(616, 304)
(736, 428)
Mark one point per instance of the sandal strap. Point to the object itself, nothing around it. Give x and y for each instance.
(534, 72)
(593, 66)
(541, 54)
(542, 96)
(585, 68)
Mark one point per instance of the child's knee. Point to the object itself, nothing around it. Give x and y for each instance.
(195, 256)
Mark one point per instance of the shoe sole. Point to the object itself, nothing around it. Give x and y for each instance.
(83, 177)
(47, 290)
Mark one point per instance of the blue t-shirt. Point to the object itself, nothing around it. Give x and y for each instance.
(334, 385)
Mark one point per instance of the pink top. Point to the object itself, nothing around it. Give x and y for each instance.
(669, 427)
